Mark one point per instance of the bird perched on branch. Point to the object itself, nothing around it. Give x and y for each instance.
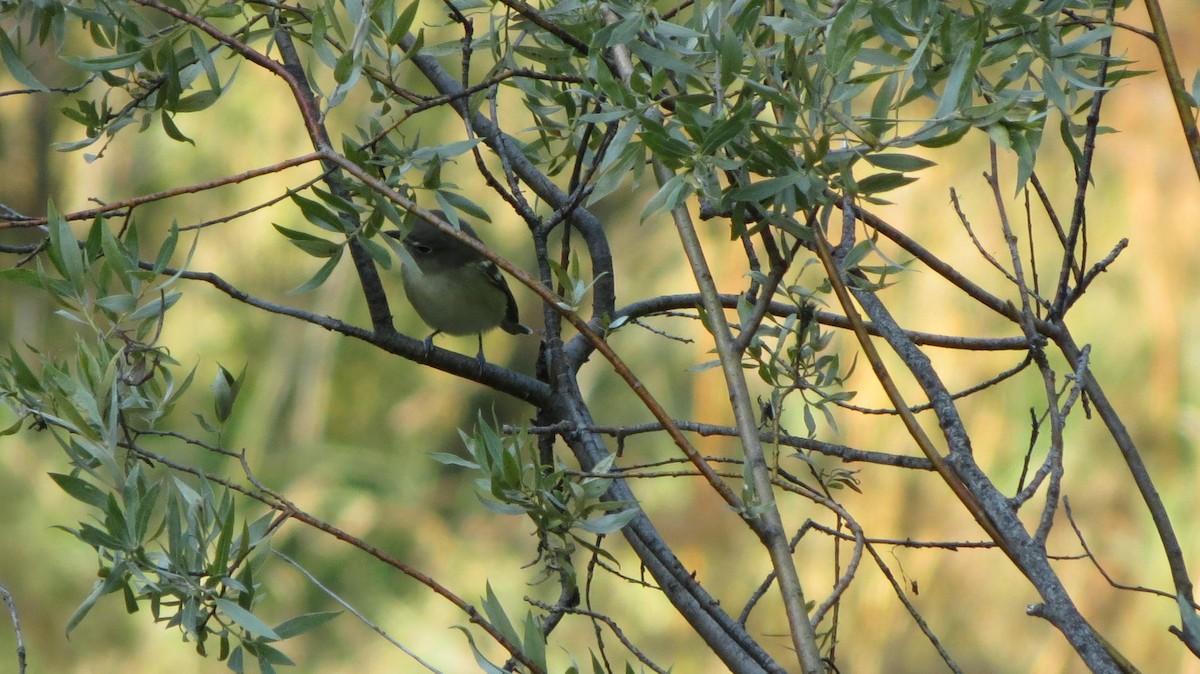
(454, 289)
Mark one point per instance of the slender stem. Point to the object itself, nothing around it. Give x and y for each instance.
(769, 525)
(893, 392)
(16, 621)
(1179, 93)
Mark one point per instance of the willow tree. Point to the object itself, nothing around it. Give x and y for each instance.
(785, 126)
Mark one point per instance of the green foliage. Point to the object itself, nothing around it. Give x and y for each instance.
(763, 111)
(531, 639)
(794, 356)
(562, 504)
(175, 546)
(121, 380)
(767, 114)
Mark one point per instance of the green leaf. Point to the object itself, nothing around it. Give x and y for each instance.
(496, 615)
(403, 23)
(496, 506)
(334, 201)
(1187, 616)
(899, 162)
(221, 551)
(118, 304)
(114, 253)
(480, 660)
(534, 643)
(64, 247)
(16, 68)
(881, 105)
(726, 130)
(81, 490)
(269, 656)
(13, 428)
(23, 276)
(378, 252)
(965, 62)
(448, 459)
(660, 141)
(883, 182)
(172, 131)
(1025, 143)
(201, 100)
(201, 53)
(205, 424)
(114, 579)
(167, 249)
(225, 391)
(99, 539)
(454, 203)
(115, 522)
(610, 523)
(661, 60)
(347, 66)
(672, 193)
(317, 214)
(104, 63)
(1082, 42)
(953, 133)
(838, 43)
(236, 662)
(156, 307)
(304, 623)
(1053, 91)
(320, 277)
(247, 620)
(857, 254)
(313, 245)
(762, 190)
(731, 55)
(93, 245)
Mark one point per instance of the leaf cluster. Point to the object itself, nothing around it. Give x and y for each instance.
(562, 504)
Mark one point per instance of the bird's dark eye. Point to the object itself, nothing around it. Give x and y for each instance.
(420, 248)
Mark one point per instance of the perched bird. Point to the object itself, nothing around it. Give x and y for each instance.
(453, 288)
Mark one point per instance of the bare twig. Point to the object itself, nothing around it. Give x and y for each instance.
(353, 611)
(912, 610)
(1091, 556)
(840, 451)
(16, 623)
(970, 390)
(126, 204)
(612, 624)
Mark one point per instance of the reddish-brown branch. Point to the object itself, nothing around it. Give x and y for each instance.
(194, 188)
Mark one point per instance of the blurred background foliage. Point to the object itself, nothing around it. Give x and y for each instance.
(346, 431)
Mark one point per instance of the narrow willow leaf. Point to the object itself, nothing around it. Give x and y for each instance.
(247, 620)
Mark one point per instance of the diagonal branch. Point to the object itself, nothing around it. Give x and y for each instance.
(1179, 92)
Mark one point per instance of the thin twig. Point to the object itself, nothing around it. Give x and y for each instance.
(987, 383)
(667, 303)
(843, 452)
(353, 611)
(611, 625)
(124, 204)
(912, 611)
(1179, 92)
(16, 622)
(966, 223)
(1091, 556)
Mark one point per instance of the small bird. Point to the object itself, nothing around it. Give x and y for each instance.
(453, 288)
